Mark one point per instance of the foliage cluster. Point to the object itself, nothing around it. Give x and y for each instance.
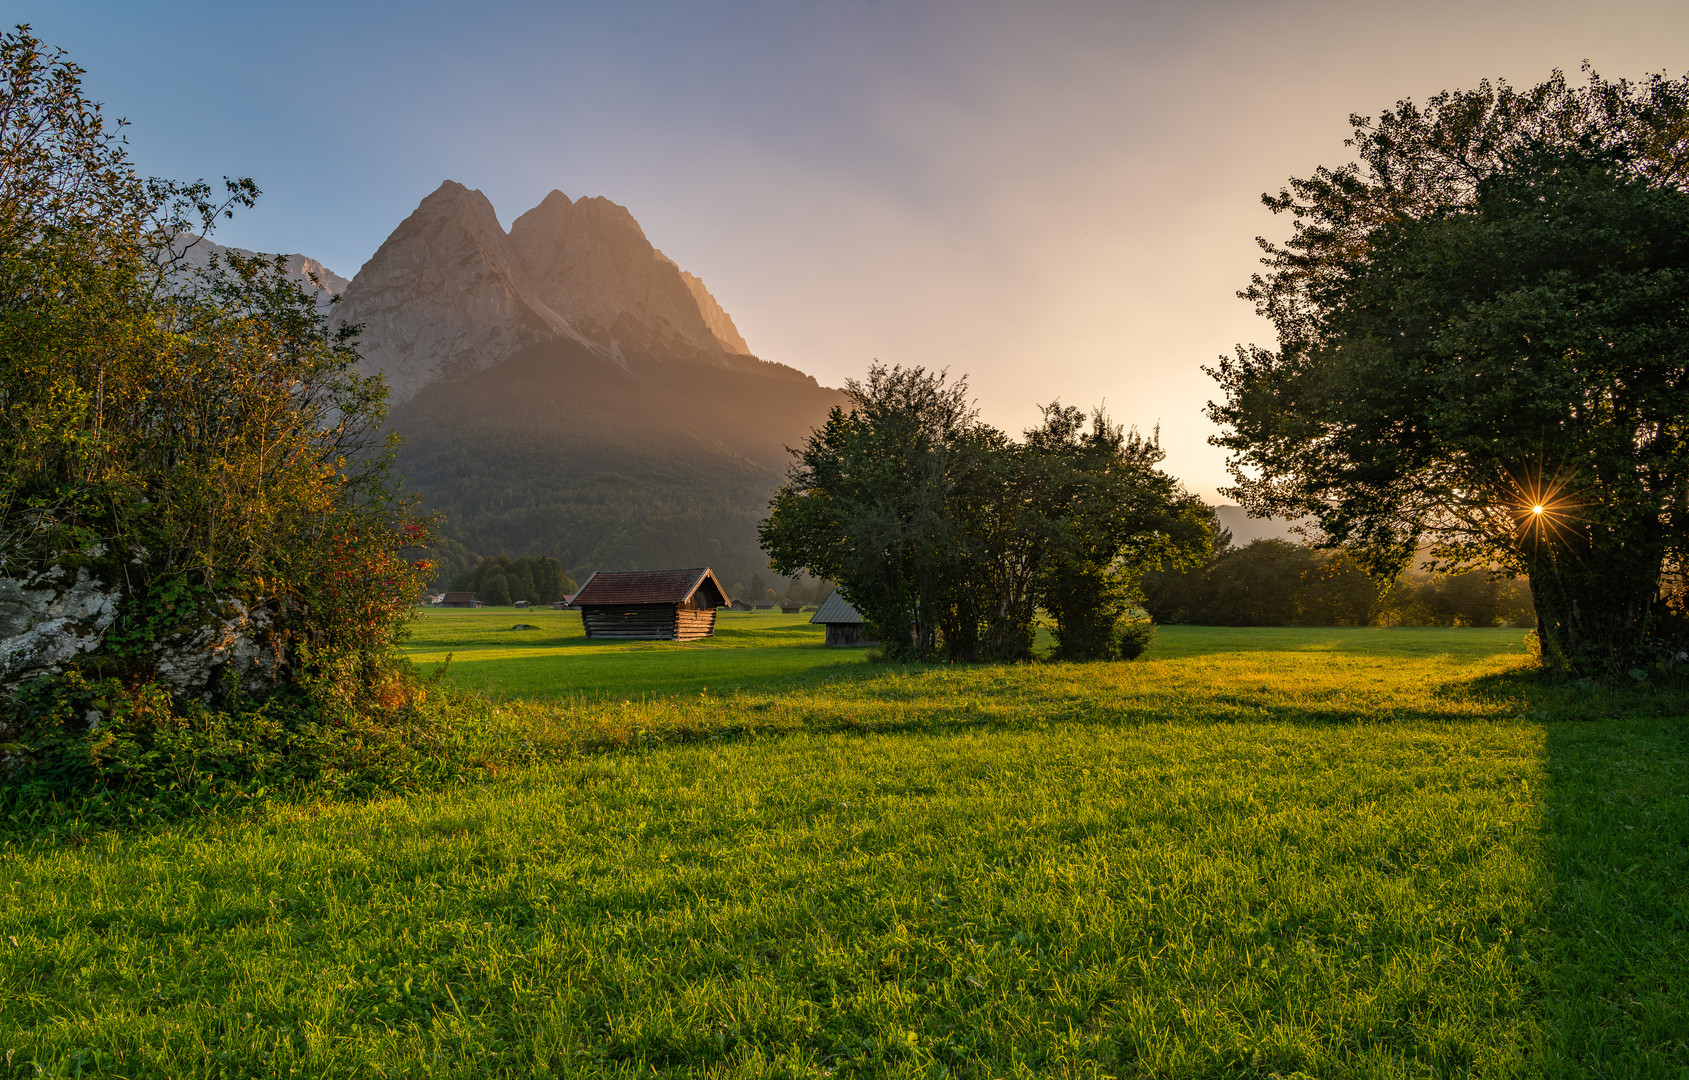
(195, 441)
(497, 581)
(949, 536)
(1483, 340)
(155, 757)
(1274, 582)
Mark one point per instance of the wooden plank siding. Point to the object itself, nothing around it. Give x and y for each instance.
(848, 635)
(647, 622)
(650, 605)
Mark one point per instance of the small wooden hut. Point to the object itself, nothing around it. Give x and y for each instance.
(460, 599)
(651, 605)
(844, 623)
(789, 606)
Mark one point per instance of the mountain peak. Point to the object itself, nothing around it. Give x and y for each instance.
(451, 291)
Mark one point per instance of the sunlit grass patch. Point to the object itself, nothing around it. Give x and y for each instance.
(1388, 854)
(558, 661)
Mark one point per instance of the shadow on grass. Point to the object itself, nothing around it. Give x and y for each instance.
(1616, 992)
(1615, 996)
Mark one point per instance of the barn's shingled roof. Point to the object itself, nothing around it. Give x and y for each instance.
(835, 610)
(649, 587)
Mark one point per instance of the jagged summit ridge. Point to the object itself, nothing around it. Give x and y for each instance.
(312, 275)
(450, 291)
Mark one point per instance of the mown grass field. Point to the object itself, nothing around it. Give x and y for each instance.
(1317, 853)
(556, 661)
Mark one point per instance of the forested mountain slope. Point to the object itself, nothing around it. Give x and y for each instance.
(659, 463)
(565, 389)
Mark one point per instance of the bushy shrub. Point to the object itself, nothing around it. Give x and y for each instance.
(191, 465)
(102, 754)
(1135, 638)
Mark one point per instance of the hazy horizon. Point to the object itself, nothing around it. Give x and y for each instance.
(1058, 203)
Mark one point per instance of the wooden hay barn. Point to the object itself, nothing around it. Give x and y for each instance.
(844, 624)
(460, 599)
(650, 605)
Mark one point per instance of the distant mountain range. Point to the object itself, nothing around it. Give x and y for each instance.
(565, 389)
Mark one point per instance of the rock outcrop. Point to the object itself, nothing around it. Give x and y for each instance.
(313, 275)
(450, 292)
(49, 618)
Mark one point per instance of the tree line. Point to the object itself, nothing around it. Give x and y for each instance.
(949, 536)
(1275, 582)
(498, 581)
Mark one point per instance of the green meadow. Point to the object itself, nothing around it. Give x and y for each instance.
(556, 660)
(1255, 853)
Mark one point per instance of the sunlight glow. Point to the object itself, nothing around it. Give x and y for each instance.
(1541, 503)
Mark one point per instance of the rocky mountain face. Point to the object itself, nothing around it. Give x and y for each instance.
(565, 389)
(451, 293)
(316, 277)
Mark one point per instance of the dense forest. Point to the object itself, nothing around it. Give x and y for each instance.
(533, 579)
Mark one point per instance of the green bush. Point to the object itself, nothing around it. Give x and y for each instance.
(1135, 638)
(102, 754)
(195, 450)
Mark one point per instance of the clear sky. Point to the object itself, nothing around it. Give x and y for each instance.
(1057, 199)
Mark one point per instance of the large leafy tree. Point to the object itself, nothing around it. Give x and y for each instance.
(196, 443)
(1484, 343)
(949, 536)
(867, 503)
(1108, 515)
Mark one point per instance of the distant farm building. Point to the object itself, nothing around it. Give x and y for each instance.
(790, 606)
(651, 605)
(738, 605)
(460, 599)
(844, 623)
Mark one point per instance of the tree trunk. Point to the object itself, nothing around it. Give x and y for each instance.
(1593, 613)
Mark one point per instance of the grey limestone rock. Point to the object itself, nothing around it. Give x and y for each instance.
(47, 621)
(50, 617)
(235, 639)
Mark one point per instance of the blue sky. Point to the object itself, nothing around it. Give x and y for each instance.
(1058, 199)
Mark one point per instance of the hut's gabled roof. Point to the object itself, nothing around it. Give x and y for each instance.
(650, 587)
(835, 610)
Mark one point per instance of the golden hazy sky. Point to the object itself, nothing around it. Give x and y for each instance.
(1059, 200)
